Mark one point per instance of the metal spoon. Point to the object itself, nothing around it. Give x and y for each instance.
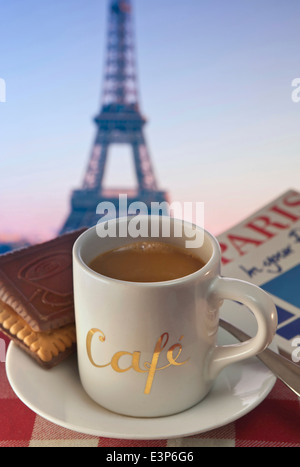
(285, 370)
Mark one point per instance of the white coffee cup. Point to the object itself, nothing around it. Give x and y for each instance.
(150, 349)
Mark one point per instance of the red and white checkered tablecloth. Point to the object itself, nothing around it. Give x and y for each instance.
(274, 423)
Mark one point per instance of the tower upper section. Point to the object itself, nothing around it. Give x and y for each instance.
(120, 78)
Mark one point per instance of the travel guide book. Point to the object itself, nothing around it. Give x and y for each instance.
(265, 249)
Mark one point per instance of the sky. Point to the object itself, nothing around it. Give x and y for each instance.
(215, 80)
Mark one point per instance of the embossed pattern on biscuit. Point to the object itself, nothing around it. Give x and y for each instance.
(46, 345)
(36, 282)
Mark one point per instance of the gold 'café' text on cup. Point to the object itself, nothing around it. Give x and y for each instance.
(150, 367)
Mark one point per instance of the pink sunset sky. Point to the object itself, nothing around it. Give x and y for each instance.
(215, 83)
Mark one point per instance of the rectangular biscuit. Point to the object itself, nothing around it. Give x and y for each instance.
(47, 348)
(36, 282)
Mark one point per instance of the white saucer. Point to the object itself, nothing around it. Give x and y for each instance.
(58, 396)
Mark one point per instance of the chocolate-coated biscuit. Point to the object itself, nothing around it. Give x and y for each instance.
(36, 282)
(47, 348)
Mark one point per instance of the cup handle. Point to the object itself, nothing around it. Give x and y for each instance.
(264, 311)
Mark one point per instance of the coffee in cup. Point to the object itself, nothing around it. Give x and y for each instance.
(147, 261)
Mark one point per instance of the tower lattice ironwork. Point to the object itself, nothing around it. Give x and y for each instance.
(119, 122)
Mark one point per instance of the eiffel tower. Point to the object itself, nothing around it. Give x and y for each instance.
(119, 122)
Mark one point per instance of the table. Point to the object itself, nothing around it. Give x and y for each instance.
(274, 423)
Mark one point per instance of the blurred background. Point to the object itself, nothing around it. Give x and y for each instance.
(215, 80)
